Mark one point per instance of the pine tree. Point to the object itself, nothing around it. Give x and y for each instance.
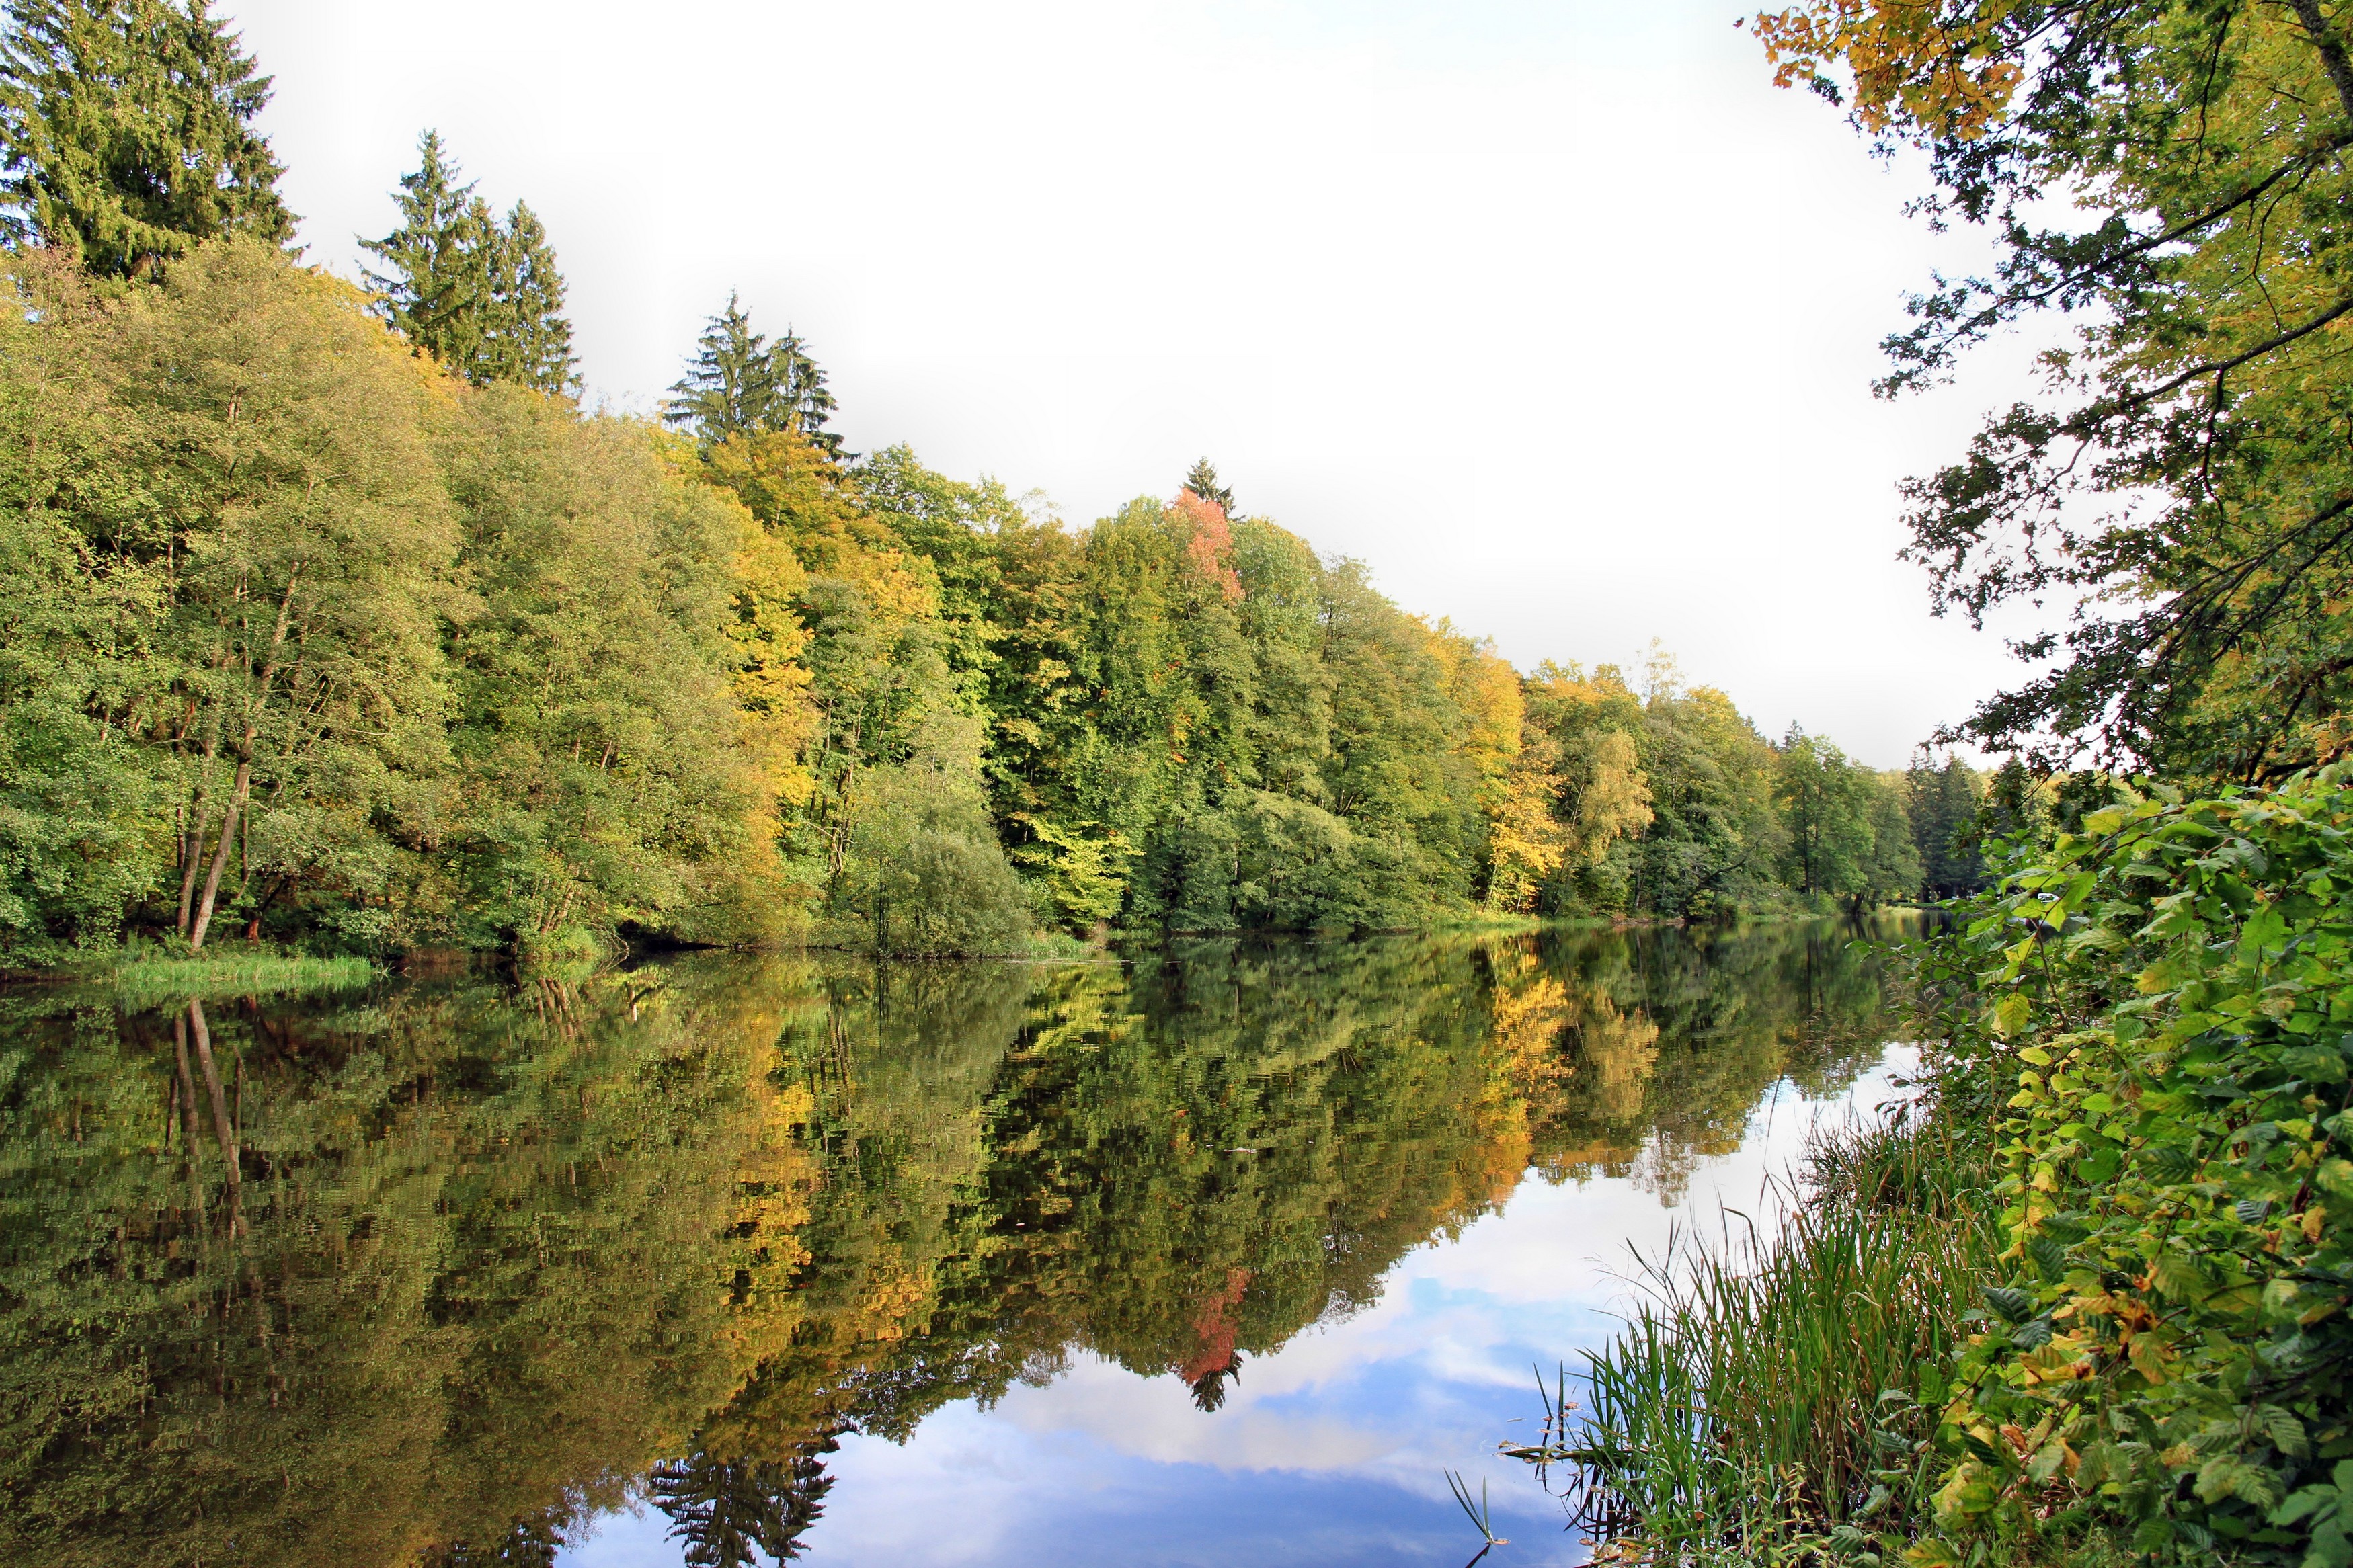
(1943, 802)
(741, 385)
(438, 254)
(482, 297)
(2013, 808)
(128, 129)
(1203, 482)
(729, 1513)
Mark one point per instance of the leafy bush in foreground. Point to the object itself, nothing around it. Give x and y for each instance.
(2168, 1354)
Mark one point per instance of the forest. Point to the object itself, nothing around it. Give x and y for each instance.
(332, 618)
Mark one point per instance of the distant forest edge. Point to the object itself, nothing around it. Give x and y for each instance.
(328, 616)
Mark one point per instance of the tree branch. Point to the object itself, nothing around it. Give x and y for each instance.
(2332, 53)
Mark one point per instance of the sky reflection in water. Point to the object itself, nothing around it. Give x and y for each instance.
(1332, 1449)
(940, 1265)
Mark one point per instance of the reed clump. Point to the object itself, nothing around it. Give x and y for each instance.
(149, 977)
(1765, 1395)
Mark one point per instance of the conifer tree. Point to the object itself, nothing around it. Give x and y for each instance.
(741, 385)
(529, 341)
(731, 388)
(800, 385)
(438, 254)
(481, 296)
(1203, 482)
(128, 130)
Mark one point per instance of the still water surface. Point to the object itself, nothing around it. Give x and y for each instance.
(1222, 1257)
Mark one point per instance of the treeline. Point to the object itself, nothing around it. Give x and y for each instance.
(329, 615)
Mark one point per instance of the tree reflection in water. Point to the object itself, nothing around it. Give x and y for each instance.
(431, 1274)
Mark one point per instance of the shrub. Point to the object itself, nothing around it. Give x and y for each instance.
(2171, 990)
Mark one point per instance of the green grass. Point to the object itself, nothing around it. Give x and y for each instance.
(142, 977)
(1055, 944)
(1762, 1402)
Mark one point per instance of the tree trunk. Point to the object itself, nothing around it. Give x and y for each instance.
(192, 851)
(223, 1128)
(220, 856)
(188, 1099)
(242, 791)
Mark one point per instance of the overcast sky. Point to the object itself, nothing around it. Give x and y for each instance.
(1556, 314)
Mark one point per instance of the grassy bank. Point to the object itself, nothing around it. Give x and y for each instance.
(1764, 1401)
(2086, 1302)
(143, 976)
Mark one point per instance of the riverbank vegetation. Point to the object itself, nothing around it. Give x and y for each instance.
(331, 617)
(2089, 1293)
(2086, 1299)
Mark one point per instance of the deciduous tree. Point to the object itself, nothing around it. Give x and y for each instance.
(2169, 178)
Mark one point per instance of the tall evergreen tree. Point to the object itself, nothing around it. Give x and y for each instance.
(731, 388)
(530, 340)
(1943, 802)
(2014, 807)
(729, 1513)
(438, 256)
(481, 296)
(128, 130)
(1203, 482)
(801, 387)
(741, 385)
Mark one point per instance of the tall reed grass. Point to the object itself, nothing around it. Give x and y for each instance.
(1766, 1398)
(149, 978)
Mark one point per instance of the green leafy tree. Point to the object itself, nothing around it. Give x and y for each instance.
(128, 126)
(1683, 821)
(1895, 872)
(251, 531)
(2169, 178)
(595, 731)
(480, 294)
(1826, 804)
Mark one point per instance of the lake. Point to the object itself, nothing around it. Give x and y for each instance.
(1223, 1255)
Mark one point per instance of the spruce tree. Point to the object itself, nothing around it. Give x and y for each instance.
(481, 296)
(1943, 802)
(740, 384)
(128, 127)
(731, 388)
(800, 385)
(1203, 482)
(529, 341)
(439, 274)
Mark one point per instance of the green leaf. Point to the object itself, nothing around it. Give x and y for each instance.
(2178, 1277)
(2012, 1303)
(2011, 1014)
